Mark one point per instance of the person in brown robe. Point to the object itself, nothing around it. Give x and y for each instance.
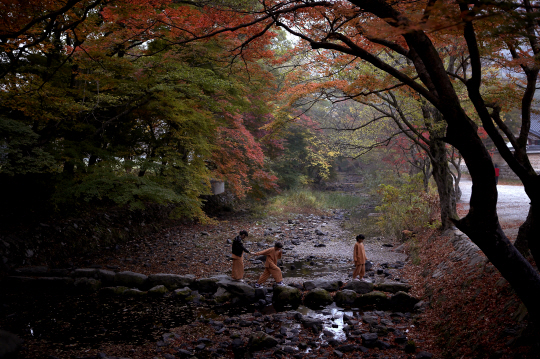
(270, 266)
(238, 250)
(359, 258)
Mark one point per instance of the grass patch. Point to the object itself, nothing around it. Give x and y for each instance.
(306, 201)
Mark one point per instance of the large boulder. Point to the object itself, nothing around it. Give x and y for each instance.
(134, 292)
(87, 285)
(171, 281)
(113, 290)
(392, 287)
(403, 302)
(222, 296)
(158, 290)
(182, 293)
(317, 298)
(260, 341)
(130, 279)
(239, 289)
(359, 286)
(369, 340)
(285, 296)
(37, 271)
(330, 286)
(378, 300)
(345, 298)
(209, 285)
(107, 277)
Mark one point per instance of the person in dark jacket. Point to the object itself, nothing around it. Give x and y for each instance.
(238, 250)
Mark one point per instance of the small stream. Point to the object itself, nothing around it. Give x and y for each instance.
(92, 319)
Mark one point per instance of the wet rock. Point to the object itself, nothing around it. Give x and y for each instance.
(182, 293)
(171, 281)
(38, 271)
(369, 265)
(370, 319)
(345, 298)
(113, 290)
(313, 324)
(382, 345)
(423, 355)
(182, 353)
(87, 285)
(240, 289)
(347, 348)
(330, 286)
(133, 292)
(338, 353)
(260, 340)
(369, 339)
(403, 302)
(373, 299)
(208, 285)
(158, 290)
(107, 277)
(285, 296)
(222, 296)
(392, 287)
(359, 287)
(130, 279)
(399, 337)
(317, 298)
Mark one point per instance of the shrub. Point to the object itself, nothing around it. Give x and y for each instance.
(405, 206)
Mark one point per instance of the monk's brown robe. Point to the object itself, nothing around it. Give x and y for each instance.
(359, 260)
(270, 266)
(237, 267)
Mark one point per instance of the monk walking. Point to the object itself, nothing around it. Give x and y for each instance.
(270, 266)
(359, 258)
(238, 250)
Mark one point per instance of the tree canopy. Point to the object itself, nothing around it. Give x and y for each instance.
(141, 93)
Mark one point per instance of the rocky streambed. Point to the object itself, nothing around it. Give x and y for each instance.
(112, 310)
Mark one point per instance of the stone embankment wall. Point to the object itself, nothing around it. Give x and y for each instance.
(468, 300)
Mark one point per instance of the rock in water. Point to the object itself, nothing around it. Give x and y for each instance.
(317, 298)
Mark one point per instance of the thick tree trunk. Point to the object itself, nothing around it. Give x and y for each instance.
(527, 238)
(445, 185)
(482, 225)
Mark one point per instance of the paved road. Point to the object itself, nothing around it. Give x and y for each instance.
(512, 205)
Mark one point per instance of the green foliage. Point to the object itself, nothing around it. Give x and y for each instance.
(127, 130)
(307, 201)
(19, 152)
(406, 206)
(306, 160)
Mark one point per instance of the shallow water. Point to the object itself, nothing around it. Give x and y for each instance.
(92, 319)
(308, 269)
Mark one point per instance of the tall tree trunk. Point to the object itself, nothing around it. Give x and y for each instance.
(445, 184)
(527, 238)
